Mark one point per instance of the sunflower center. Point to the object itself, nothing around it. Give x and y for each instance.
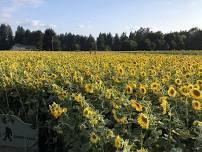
(143, 90)
(144, 119)
(94, 137)
(196, 93)
(196, 104)
(138, 106)
(172, 91)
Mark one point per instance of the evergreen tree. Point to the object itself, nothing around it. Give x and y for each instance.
(49, 40)
(20, 35)
(6, 37)
(91, 44)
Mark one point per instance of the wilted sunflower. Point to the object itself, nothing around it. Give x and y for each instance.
(196, 94)
(129, 89)
(143, 121)
(196, 105)
(172, 92)
(89, 88)
(118, 142)
(142, 150)
(94, 138)
(137, 106)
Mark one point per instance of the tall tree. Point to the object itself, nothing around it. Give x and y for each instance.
(101, 42)
(20, 35)
(91, 44)
(49, 40)
(109, 41)
(37, 38)
(28, 38)
(116, 46)
(6, 37)
(83, 43)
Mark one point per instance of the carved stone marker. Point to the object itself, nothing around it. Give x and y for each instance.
(17, 136)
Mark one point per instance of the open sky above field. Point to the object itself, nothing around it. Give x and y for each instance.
(94, 16)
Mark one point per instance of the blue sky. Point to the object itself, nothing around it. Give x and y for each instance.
(94, 16)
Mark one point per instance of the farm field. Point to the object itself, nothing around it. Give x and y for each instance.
(106, 101)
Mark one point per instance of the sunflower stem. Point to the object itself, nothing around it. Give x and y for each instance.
(187, 113)
(170, 128)
(141, 138)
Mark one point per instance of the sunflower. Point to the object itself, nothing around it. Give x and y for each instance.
(78, 98)
(197, 123)
(143, 121)
(118, 142)
(184, 90)
(178, 82)
(142, 150)
(155, 86)
(87, 112)
(56, 110)
(199, 82)
(137, 106)
(196, 86)
(129, 89)
(94, 138)
(163, 102)
(172, 92)
(82, 127)
(89, 88)
(132, 72)
(150, 72)
(121, 120)
(109, 133)
(120, 70)
(142, 89)
(188, 75)
(196, 105)
(143, 74)
(190, 86)
(108, 94)
(196, 94)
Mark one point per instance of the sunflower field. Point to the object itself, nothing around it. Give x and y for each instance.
(107, 102)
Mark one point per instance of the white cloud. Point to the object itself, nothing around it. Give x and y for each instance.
(84, 26)
(6, 15)
(81, 26)
(35, 25)
(52, 26)
(129, 28)
(27, 2)
(9, 7)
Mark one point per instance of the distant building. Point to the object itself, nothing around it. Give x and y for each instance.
(23, 47)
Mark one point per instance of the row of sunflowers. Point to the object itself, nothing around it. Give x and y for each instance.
(107, 101)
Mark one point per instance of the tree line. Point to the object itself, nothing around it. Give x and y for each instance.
(142, 39)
